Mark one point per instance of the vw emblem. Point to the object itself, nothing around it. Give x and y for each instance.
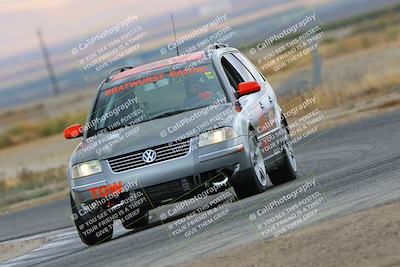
(149, 156)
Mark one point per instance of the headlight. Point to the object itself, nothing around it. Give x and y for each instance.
(216, 136)
(86, 168)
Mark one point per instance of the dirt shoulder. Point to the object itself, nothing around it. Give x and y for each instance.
(367, 238)
(12, 249)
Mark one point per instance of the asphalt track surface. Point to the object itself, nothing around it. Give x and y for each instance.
(355, 167)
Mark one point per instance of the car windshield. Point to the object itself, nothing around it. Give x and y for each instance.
(159, 94)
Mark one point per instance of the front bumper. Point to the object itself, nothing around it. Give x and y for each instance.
(172, 175)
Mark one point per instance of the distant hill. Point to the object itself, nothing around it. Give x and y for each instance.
(18, 89)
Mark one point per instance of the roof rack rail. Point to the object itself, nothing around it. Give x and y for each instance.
(117, 70)
(219, 45)
(214, 46)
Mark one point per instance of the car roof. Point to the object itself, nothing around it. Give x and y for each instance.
(160, 64)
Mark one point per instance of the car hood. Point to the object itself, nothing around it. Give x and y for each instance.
(155, 132)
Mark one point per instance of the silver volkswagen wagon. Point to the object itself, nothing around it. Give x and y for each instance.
(158, 133)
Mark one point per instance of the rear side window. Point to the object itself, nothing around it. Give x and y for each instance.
(235, 71)
(249, 65)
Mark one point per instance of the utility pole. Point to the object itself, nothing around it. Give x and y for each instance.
(47, 61)
(176, 41)
(317, 67)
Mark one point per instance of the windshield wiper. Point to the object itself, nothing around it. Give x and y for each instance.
(109, 129)
(167, 114)
(95, 131)
(119, 127)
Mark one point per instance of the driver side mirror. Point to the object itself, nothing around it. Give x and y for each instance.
(247, 88)
(73, 131)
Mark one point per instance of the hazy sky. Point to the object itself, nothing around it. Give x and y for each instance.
(63, 20)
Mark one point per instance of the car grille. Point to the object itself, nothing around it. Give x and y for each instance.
(169, 190)
(164, 152)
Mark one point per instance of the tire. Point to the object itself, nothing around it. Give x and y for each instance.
(254, 180)
(287, 168)
(134, 221)
(99, 234)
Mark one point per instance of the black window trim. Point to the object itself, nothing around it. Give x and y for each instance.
(264, 79)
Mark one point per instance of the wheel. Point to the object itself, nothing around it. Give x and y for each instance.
(92, 229)
(254, 180)
(287, 168)
(134, 218)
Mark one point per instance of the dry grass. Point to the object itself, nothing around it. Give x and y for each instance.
(369, 87)
(28, 131)
(30, 185)
(31, 180)
(374, 31)
(359, 41)
(382, 28)
(378, 31)
(330, 97)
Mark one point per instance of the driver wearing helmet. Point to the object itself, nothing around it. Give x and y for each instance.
(196, 89)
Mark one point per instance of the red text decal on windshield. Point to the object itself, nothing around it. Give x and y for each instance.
(151, 79)
(132, 84)
(178, 73)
